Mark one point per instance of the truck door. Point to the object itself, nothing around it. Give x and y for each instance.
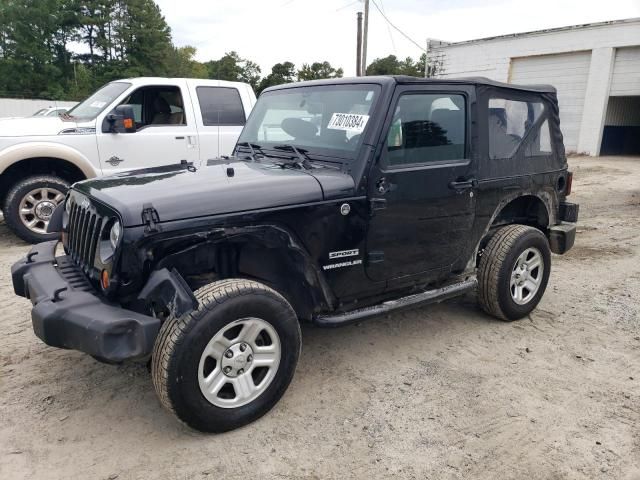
(165, 131)
(422, 188)
(220, 118)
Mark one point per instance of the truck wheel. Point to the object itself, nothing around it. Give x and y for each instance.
(29, 205)
(228, 362)
(513, 272)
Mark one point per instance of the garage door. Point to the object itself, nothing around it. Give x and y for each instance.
(567, 72)
(626, 72)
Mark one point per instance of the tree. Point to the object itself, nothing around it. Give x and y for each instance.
(34, 36)
(280, 73)
(390, 65)
(146, 38)
(250, 74)
(234, 68)
(118, 38)
(182, 64)
(318, 70)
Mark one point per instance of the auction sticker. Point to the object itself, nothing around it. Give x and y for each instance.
(351, 122)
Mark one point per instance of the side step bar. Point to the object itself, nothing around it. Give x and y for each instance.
(423, 298)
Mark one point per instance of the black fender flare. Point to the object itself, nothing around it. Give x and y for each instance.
(547, 200)
(271, 235)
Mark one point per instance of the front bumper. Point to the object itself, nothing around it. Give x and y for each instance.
(68, 313)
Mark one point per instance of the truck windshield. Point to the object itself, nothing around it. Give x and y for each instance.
(96, 103)
(326, 119)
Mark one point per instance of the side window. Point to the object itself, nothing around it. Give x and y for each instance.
(509, 122)
(220, 106)
(166, 106)
(157, 106)
(426, 128)
(540, 143)
(136, 99)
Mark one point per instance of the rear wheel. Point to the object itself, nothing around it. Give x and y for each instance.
(29, 205)
(228, 362)
(513, 272)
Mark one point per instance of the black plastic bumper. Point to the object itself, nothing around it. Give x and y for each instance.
(562, 237)
(67, 313)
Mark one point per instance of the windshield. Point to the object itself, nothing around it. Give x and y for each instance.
(96, 103)
(327, 119)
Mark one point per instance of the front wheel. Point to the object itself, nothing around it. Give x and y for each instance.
(29, 205)
(513, 272)
(228, 362)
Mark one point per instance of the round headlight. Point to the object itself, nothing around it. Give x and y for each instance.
(114, 234)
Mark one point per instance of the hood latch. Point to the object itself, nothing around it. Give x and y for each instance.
(150, 218)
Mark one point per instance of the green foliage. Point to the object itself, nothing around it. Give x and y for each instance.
(233, 68)
(318, 70)
(391, 65)
(66, 49)
(280, 73)
(182, 64)
(120, 38)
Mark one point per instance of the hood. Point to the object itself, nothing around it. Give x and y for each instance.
(33, 126)
(220, 188)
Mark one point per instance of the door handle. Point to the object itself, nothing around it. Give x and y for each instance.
(462, 185)
(192, 141)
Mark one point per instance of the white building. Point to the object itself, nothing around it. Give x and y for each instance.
(595, 68)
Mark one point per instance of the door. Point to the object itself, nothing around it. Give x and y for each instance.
(165, 131)
(221, 118)
(567, 72)
(421, 189)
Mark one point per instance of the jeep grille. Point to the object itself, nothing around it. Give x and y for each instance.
(85, 226)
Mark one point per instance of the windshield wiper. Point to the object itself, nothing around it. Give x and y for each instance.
(301, 154)
(252, 148)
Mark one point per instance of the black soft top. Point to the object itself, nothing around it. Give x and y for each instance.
(404, 79)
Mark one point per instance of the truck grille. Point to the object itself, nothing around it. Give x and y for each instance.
(85, 227)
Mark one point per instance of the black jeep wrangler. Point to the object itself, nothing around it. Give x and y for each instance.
(344, 199)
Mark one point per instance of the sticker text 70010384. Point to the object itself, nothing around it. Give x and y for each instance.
(351, 122)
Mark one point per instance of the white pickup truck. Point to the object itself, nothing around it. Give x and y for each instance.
(172, 120)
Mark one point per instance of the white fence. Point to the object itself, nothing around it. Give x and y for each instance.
(20, 107)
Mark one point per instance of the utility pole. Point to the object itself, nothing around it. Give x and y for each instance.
(359, 46)
(365, 35)
(426, 59)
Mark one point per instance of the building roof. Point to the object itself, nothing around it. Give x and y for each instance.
(444, 44)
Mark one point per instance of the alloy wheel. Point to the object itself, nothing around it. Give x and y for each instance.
(37, 206)
(239, 362)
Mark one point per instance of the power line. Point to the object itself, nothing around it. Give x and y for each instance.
(393, 43)
(347, 5)
(396, 28)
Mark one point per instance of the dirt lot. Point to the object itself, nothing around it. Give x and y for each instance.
(441, 392)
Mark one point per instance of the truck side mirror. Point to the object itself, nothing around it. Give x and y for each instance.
(121, 120)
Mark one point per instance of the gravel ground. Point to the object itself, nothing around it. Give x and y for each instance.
(441, 392)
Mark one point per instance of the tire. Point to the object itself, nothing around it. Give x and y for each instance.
(509, 286)
(180, 368)
(40, 194)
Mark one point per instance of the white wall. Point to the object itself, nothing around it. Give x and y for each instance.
(493, 57)
(13, 107)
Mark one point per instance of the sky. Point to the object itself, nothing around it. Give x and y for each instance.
(305, 31)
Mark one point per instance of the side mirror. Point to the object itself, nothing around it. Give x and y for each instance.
(121, 120)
